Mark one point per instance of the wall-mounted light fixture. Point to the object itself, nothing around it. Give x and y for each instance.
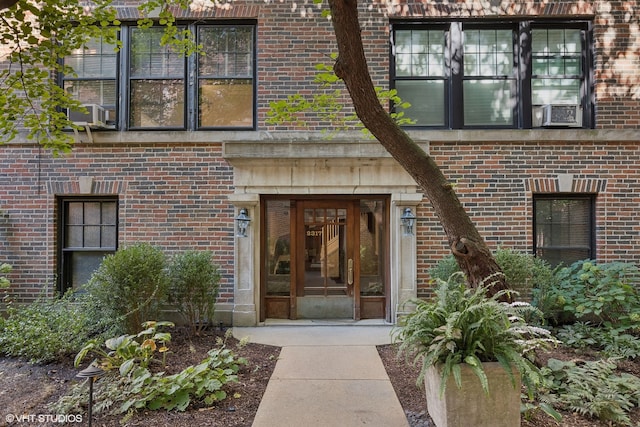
(242, 221)
(408, 220)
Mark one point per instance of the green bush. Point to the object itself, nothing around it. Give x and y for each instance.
(131, 285)
(4, 270)
(531, 277)
(601, 293)
(194, 286)
(51, 328)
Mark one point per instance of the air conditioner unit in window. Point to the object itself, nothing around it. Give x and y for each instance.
(96, 116)
(556, 115)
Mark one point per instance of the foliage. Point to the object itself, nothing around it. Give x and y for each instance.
(130, 385)
(463, 325)
(122, 352)
(5, 269)
(593, 389)
(328, 103)
(611, 341)
(194, 287)
(30, 35)
(603, 293)
(131, 285)
(51, 328)
(526, 274)
(30, 39)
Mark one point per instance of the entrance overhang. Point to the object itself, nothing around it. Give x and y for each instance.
(317, 167)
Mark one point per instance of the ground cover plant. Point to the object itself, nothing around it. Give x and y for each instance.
(135, 377)
(590, 379)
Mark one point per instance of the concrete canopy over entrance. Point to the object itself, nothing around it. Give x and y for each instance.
(317, 167)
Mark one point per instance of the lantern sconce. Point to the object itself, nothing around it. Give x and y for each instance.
(408, 220)
(242, 221)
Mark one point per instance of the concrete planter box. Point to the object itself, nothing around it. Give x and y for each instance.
(470, 405)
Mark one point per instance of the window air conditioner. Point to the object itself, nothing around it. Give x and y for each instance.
(96, 116)
(556, 115)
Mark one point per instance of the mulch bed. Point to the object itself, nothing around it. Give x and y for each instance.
(27, 389)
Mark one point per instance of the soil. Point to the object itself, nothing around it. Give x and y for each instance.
(27, 389)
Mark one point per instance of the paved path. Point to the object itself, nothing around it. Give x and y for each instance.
(326, 376)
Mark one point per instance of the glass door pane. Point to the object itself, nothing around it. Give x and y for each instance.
(372, 248)
(278, 251)
(325, 243)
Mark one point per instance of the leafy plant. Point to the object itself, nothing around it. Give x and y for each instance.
(4, 270)
(131, 285)
(131, 385)
(611, 341)
(531, 277)
(462, 325)
(328, 104)
(594, 389)
(126, 350)
(51, 328)
(603, 293)
(194, 287)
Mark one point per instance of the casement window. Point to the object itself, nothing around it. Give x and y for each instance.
(564, 228)
(153, 86)
(516, 75)
(88, 231)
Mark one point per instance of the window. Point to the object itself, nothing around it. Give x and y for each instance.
(94, 81)
(88, 232)
(564, 228)
(160, 88)
(494, 75)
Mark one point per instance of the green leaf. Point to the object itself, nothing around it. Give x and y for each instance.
(126, 366)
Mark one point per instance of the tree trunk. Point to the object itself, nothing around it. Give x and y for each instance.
(6, 4)
(468, 247)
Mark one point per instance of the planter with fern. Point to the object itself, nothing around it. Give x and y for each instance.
(474, 354)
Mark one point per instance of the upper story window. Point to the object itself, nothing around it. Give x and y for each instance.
(152, 86)
(500, 75)
(94, 82)
(564, 228)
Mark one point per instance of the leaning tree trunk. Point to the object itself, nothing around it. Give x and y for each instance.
(468, 247)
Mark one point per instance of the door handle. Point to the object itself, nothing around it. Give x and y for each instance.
(350, 272)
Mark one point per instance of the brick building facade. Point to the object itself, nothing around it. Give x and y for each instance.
(325, 238)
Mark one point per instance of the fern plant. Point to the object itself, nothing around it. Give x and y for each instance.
(465, 326)
(594, 389)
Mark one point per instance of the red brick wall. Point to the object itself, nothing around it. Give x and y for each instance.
(173, 196)
(496, 181)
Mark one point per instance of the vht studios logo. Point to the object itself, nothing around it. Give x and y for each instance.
(43, 418)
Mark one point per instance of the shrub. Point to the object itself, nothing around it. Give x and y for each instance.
(531, 277)
(4, 270)
(131, 285)
(51, 328)
(194, 285)
(603, 293)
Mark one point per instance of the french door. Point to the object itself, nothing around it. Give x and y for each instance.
(324, 259)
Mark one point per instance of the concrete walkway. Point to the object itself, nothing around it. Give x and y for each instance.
(326, 376)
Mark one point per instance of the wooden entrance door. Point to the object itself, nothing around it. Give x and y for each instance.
(326, 285)
(325, 259)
